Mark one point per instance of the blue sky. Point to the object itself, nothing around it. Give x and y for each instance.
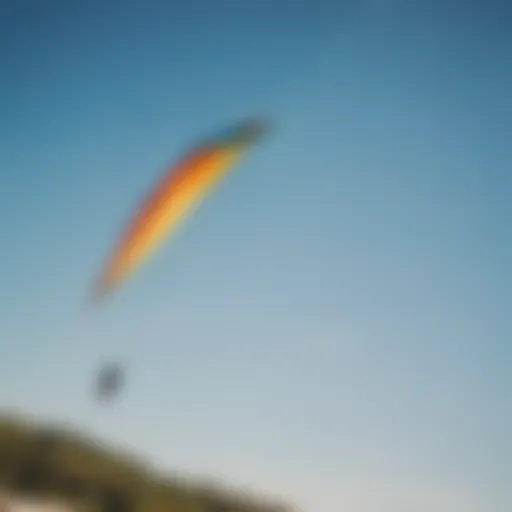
(331, 324)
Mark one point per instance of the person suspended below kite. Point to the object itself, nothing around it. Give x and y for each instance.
(109, 381)
(181, 190)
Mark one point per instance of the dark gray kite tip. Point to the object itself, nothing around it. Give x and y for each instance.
(252, 130)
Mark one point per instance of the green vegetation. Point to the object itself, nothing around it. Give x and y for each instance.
(59, 464)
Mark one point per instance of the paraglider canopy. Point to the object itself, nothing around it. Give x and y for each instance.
(177, 194)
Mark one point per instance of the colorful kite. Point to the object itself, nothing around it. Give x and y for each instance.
(175, 197)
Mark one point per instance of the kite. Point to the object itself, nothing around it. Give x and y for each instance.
(176, 196)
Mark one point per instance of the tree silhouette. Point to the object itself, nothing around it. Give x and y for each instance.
(113, 500)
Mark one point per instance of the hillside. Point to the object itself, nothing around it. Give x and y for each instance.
(59, 463)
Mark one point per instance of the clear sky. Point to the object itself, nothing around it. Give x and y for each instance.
(331, 324)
